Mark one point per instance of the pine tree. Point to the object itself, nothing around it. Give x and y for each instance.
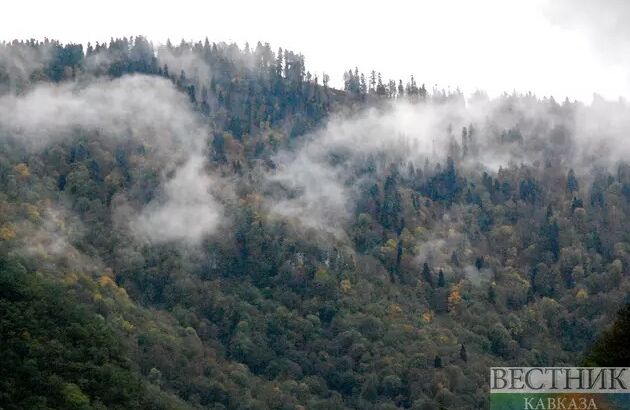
(372, 81)
(426, 274)
(279, 63)
(572, 183)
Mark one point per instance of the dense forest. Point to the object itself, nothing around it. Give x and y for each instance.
(211, 226)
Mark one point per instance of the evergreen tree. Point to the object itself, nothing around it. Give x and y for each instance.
(441, 281)
(426, 274)
(572, 183)
(462, 353)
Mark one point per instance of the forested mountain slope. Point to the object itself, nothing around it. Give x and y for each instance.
(204, 226)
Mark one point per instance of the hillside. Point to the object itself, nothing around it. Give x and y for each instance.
(208, 226)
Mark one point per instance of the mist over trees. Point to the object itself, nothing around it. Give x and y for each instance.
(204, 225)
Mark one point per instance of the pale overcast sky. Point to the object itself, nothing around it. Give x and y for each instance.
(550, 47)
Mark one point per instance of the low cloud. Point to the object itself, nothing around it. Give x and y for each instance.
(317, 181)
(186, 210)
(477, 277)
(51, 240)
(148, 109)
(18, 64)
(184, 59)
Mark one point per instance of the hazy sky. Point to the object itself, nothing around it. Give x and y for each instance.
(550, 47)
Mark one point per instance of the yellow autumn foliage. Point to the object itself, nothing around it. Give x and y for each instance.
(7, 233)
(395, 309)
(322, 275)
(22, 170)
(581, 294)
(106, 281)
(427, 317)
(70, 278)
(454, 296)
(391, 243)
(32, 212)
(122, 292)
(346, 287)
(127, 326)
